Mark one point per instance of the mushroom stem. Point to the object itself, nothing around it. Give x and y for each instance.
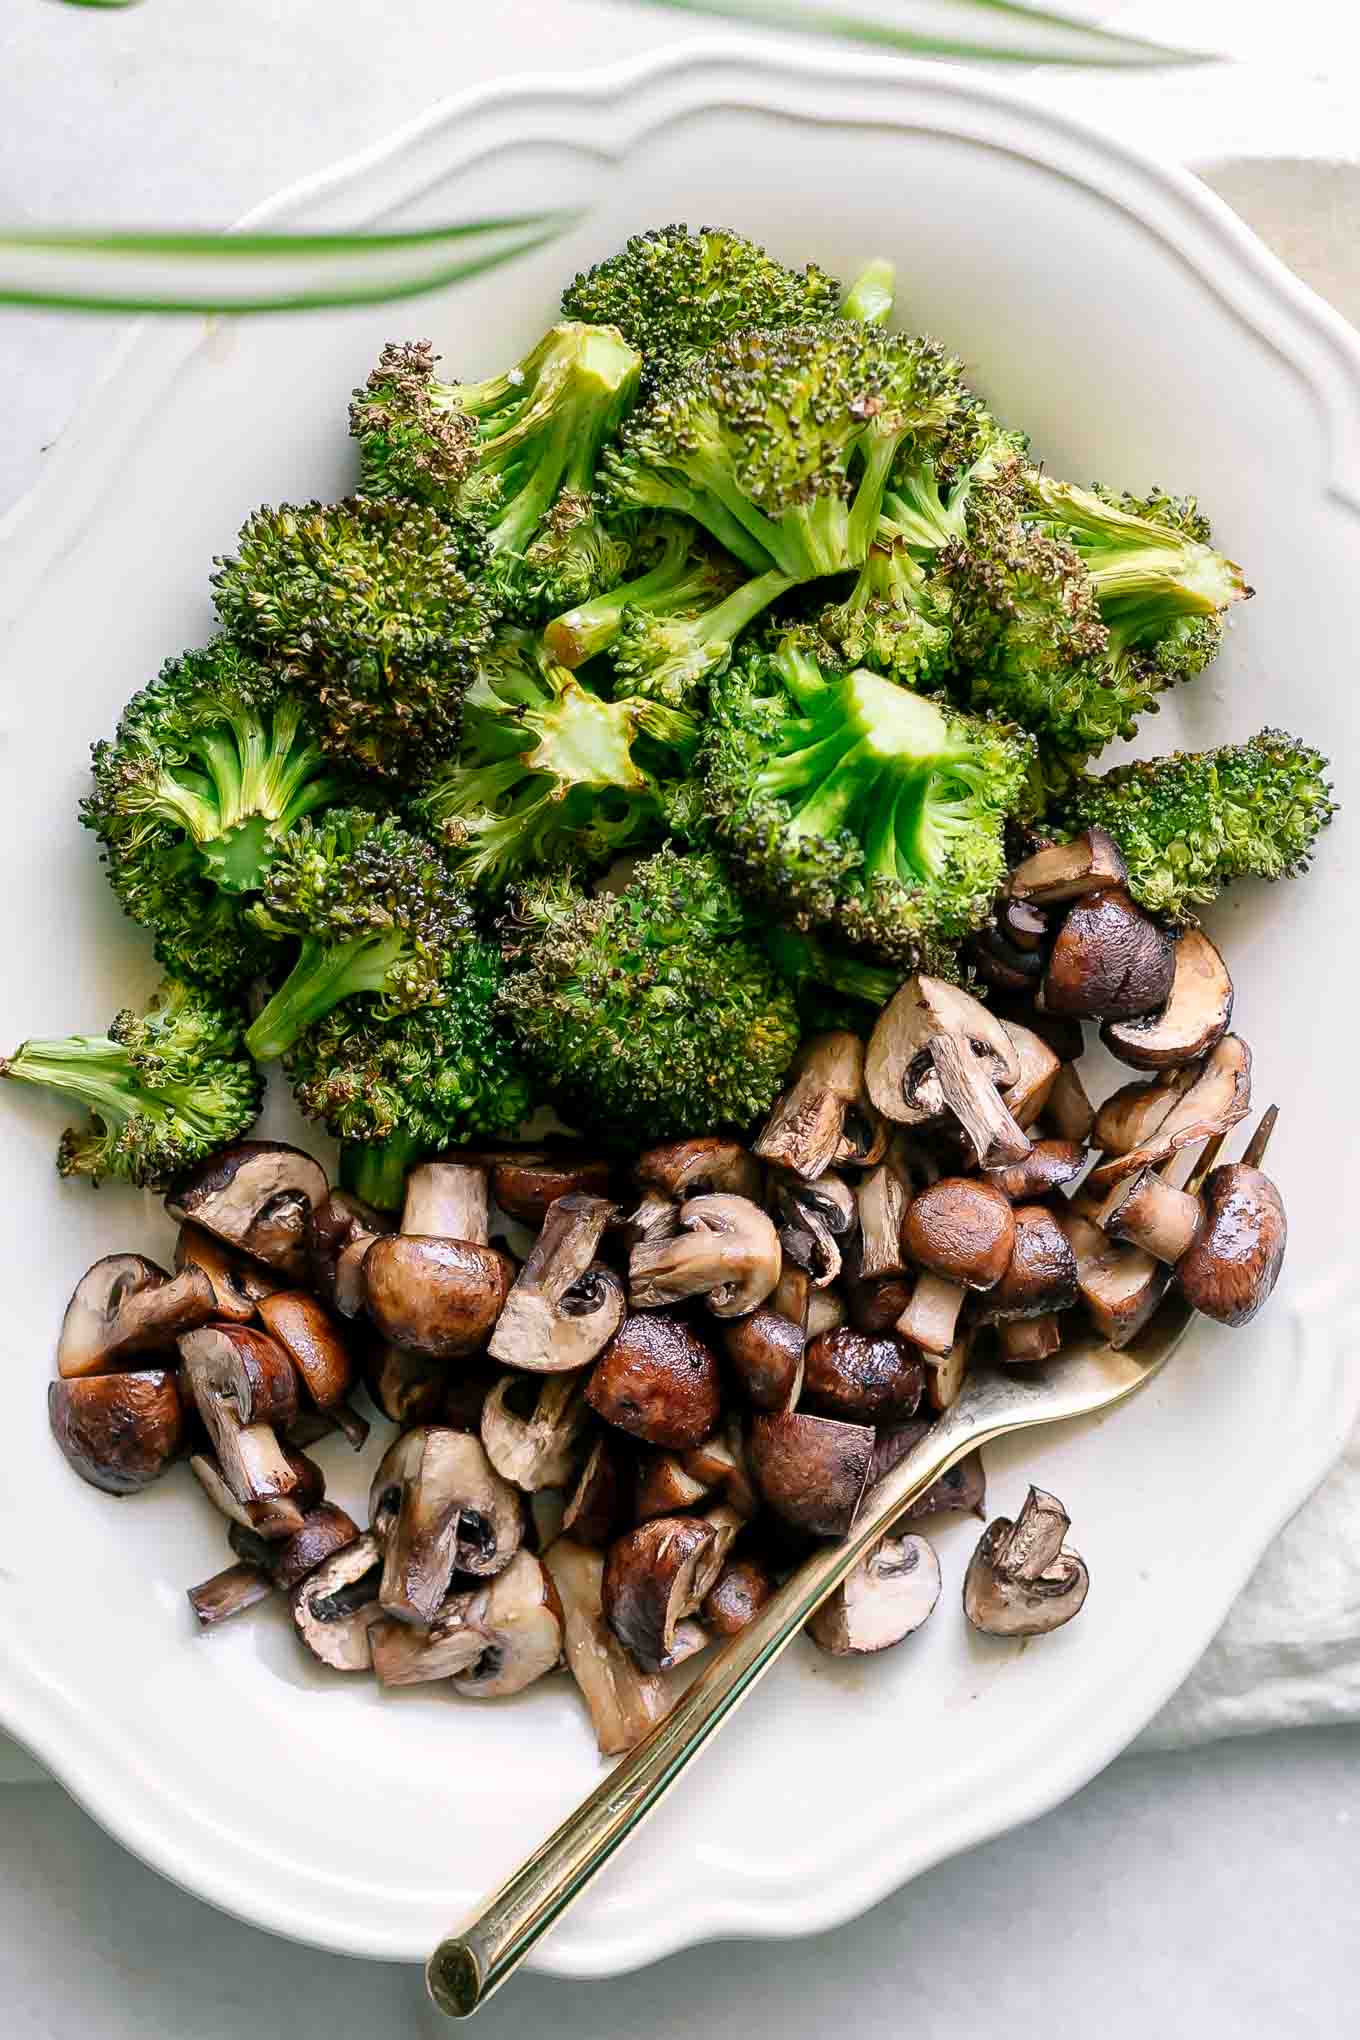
(930, 1318)
(1254, 1153)
(1023, 1340)
(803, 1131)
(229, 1593)
(1152, 1215)
(448, 1200)
(973, 1099)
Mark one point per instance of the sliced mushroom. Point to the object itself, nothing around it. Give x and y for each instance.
(624, 1702)
(230, 1592)
(656, 1217)
(1026, 1098)
(1069, 1111)
(1197, 1013)
(118, 1431)
(882, 1196)
(257, 1195)
(765, 1352)
(277, 1515)
(323, 1531)
(826, 1312)
(1021, 1341)
(808, 1121)
(697, 1168)
(434, 1295)
(995, 1133)
(853, 1374)
(125, 1306)
(962, 1229)
(665, 1488)
(336, 1606)
(342, 1230)
(905, 1082)
(561, 1311)
(890, 1593)
(931, 1318)
(1235, 1260)
(237, 1284)
(541, 1448)
(1048, 1165)
(657, 1380)
(1154, 1215)
(244, 1387)
(409, 1388)
(1041, 1276)
(595, 1512)
(726, 1251)
(811, 1470)
(1218, 1097)
(720, 1462)
(1023, 1580)
(1091, 862)
(1024, 925)
(1062, 1034)
(1120, 1286)
(649, 1583)
(439, 1506)
(1109, 961)
(526, 1180)
(689, 1639)
(945, 1372)
(816, 1220)
(1130, 1116)
(491, 1641)
(792, 1293)
(314, 1342)
(737, 1596)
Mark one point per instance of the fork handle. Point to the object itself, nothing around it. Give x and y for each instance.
(469, 1964)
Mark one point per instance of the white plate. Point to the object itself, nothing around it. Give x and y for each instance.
(1142, 335)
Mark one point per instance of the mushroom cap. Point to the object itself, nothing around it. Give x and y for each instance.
(243, 1386)
(1197, 1013)
(962, 1486)
(526, 1180)
(539, 1449)
(862, 1376)
(1216, 1095)
(322, 1532)
(721, 1462)
(118, 1431)
(696, 1168)
(1235, 1263)
(961, 1228)
(624, 1702)
(257, 1195)
(440, 1506)
(726, 1250)
(1041, 1276)
(125, 1306)
(1109, 961)
(737, 1596)
(877, 1306)
(1023, 1580)
(1068, 1110)
(1048, 1166)
(765, 1352)
(314, 1342)
(811, 1470)
(650, 1577)
(890, 1593)
(336, 1605)
(1022, 1341)
(435, 1295)
(657, 1380)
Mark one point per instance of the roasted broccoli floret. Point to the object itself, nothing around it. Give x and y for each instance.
(1189, 823)
(374, 909)
(847, 802)
(892, 619)
(833, 989)
(518, 451)
(378, 613)
(781, 443)
(673, 293)
(647, 1012)
(548, 772)
(671, 656)
(675, 572)
(162, 1088)
(393, 1090)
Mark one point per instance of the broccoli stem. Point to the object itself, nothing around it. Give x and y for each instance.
(870, 297)
(324, 974)
(377, 1170)
(95, 1070)
(591, 626)
(803, 960)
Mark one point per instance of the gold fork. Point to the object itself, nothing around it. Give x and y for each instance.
(1087, 1375)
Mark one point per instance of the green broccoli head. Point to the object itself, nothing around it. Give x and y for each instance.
(672, 293)
(374, 909)
(675, 572)
(892, 619)
(648, 1012)
(162, 1089)
(516, 453)
(780, 443)
(1190, 823)
(376, 610)
(394, 1089)
(548, 772)
(847, 802)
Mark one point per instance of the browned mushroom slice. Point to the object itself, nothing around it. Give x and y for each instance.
(1061, 1033)
(1022, 1341)
(720, 1462)
(531, 1429)
(125, 1306)
(875, 1306)
(765, 1352)
(624, 1702)
(491, 1640)
(1023, 1580)
(277, 1515)
(816, 1222)
(257, 1195)
(1048, 1165)
(726, 1251)
(554, 1318)
(596, 1509)
(891, 1592)
(737, 1596)
(1215, 1097)
(526, 1180)
(1120, 1286)
(664, 1487)
(336, 1606)
(244, 1388)
(1197, 1012)
(1026, 1098)
(657, 1380)
(1110, 961)
(1151, 1213)
(228, 1593)
(811, 1470)
(1003, 963)
(807, 1123)
(408, 1388)
(945, 1372)
(433, 1295)
(1069, 1111)
(118, 1431)
(935, 1050)
(655, 1217)
(996, 1135)
(851, 1374)
(314, 1342)
(882, 1195)
(342, 1222)
(962, 1229)
(237, 1283)
(649, 1583)
(1041, 1277)
(322, 1532)
(1235, 1260)
(1024, 925)
(440, 1506)
(697, 1168)
(931, 1317)
(1091, 862)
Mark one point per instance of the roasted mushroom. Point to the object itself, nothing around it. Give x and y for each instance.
(736, 1597)
(890, 1593)
(277, 1515)
(431, 1289)
(409, 1388)
(563, 1306)
(1091, 862)
(624, 1702)
(1048, 1166)
(808, 1121)
(961, 1229)
(237, 1283)
(651, 1577)
(1026, 1098)
(257, 1195)
(697, 1168)
(439, 1506)
(1216, 1098)
(1022, 1341)
(721, 1463)
(664, 1487)
(726, 1250)
(1235, 1261)
(229, 1592)
(126, 1306)
(962, 1486)
(1197, 1012)
(335, 1606)
(945, 1372)
(811, 1470)
(1109, 961)
(657, 1380)
(343, 1229)
(1023, 1580)
(1041, 1276)
(596, 1510)
(1120, 1286)
(245, 1390)
(323, 1531)
(765, 1352)
(539, 1448)
(934, 1050)
(1068, 1110)
(857, 1375)
(526, 1180)
(816, 1222)
(314, 1342)
(490, 1640)
(930, 1319)
(118, 1431)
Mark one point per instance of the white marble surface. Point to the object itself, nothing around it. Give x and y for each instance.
(1213, 1892)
